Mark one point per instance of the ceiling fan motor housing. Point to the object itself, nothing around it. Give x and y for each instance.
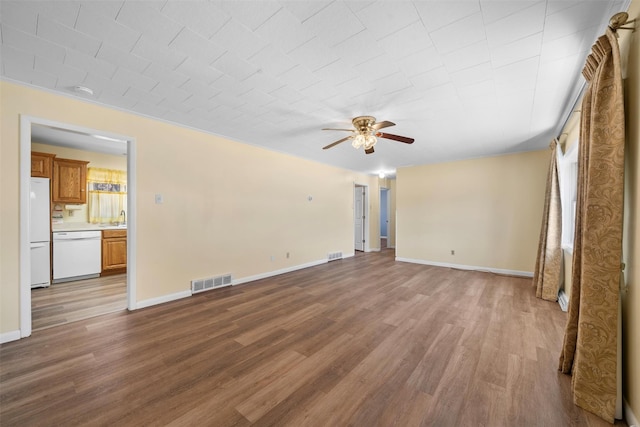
(364, 124)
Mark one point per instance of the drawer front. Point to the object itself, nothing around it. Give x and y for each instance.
(110, 234)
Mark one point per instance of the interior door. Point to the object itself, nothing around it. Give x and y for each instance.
(358, 217)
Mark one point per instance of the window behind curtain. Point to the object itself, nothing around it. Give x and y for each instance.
(568, 174)
(107, 195)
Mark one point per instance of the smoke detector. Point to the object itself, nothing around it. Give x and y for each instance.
(83, 90)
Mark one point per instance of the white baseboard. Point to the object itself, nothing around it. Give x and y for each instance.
(563, 300)
(467, 267)
(162, 299)
(629, 416)
(278, 272)
(9, 336)
(184, 294)
(285, 270)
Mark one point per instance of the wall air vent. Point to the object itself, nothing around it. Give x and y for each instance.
(332, 256)
(200, 285)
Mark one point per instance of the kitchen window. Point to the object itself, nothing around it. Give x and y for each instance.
(107, 195)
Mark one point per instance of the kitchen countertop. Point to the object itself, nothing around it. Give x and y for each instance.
(84, 226)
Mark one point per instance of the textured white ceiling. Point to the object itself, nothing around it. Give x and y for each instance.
(464, 78)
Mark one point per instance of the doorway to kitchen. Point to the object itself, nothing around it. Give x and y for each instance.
(86, 295)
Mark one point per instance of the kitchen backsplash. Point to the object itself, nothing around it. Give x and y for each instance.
(70, 216)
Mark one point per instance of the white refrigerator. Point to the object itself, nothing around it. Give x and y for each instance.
(40, 232)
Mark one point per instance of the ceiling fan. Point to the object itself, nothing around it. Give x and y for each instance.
(366, 133)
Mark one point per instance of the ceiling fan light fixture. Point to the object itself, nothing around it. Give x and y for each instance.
(369, 141)
(365, 133)
(358, 141)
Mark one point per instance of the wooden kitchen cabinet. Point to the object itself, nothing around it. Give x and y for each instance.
(42, 164)
(69, 181)
(114, 251)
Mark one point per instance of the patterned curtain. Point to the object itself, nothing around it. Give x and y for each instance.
(546, 276)
(107, 195)
(590, 343)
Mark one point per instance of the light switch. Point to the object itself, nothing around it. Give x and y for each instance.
(159, 199)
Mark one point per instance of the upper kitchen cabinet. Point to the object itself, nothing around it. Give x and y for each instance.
(69, 181)
(41, 164)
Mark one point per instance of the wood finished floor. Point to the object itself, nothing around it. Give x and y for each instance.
(365, 341)
(66, 302)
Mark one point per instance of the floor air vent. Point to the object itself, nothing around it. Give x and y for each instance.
(201, 285)
(332, 256)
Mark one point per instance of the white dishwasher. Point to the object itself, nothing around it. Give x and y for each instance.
(77, 255)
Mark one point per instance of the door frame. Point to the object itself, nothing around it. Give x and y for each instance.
(365, 223)
(26, 122)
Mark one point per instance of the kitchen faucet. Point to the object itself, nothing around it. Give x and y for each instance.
(124, 216)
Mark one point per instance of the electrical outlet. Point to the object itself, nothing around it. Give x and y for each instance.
(453, 252)
(287, 254)
(271, 258)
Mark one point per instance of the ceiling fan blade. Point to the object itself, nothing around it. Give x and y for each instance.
(382, 125)
(337, 142)
(348, 130)
(369, 150)
(395, 137)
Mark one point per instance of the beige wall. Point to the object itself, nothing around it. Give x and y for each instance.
(228, 207)
(630, 48)
(487, 210)
(96, 160)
